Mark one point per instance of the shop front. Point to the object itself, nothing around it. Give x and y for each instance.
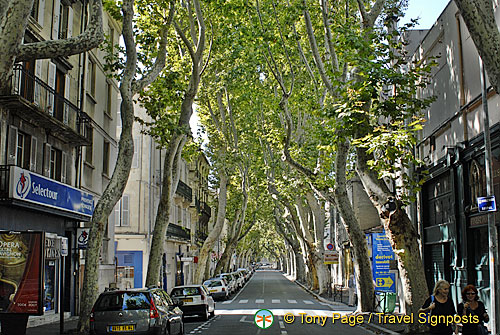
(31, 202)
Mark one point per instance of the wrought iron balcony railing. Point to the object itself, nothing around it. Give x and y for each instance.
(36, 101)
(184, 191)
(178, 232)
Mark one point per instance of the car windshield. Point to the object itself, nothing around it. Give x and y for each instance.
(176, 292)
(212, 283)
(122, 302)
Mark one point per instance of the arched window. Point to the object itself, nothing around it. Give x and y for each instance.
(475, 182)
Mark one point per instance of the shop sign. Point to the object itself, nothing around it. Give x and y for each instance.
(52, 247)
(186, 259)
(382, 255)
(28, 186)
(64, 246)
(82, 237)
(487, 204)
(21, 266)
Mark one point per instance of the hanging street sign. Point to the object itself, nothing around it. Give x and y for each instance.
(331, 257)
(487, 204)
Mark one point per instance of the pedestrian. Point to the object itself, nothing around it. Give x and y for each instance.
(439, 303)
(471, 305)
(352, 290)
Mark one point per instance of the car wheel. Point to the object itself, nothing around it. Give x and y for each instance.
(206, 316)
(182, 329)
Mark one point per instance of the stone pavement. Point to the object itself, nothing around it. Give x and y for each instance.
(70, 324)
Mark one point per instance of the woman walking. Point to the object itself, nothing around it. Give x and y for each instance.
(439, 303)
(471, 306)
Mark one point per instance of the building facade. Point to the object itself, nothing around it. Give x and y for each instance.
(60, 113)
(454, 233)
(135, 215)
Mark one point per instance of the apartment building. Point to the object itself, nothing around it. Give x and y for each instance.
(454, 233)
(135, 214)
(57, 143)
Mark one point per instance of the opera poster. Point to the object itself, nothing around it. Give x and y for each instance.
(21, 272)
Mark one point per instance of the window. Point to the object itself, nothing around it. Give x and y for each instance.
(63, 22)
(88, 149)
(91, 77)
(135, 159)
(55, 164)
(109, 97)
(111, 36)
(23, 150)
(105, 158)
(122, 212)
(475, 183)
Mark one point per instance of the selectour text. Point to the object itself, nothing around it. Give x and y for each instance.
(43, 191)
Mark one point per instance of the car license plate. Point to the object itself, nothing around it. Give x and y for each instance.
(213, 291)
(187, 299)
(124, 328)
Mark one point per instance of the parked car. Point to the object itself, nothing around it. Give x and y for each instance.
(240, 279)
(196, 300)
(231, 282)
(136, 311)
(217, 288)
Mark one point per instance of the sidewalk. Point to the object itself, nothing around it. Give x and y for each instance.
(371, 324)
(54, 328)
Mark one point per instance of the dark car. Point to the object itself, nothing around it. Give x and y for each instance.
(136, 311)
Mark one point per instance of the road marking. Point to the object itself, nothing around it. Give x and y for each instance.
(275, 301)
(282, 324)
(284, 332)
(243, 301)
(292, 301)
(259, 301)
(227, 302)
(308, 302)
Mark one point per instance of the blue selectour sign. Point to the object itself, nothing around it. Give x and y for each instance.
(382, 255)
(29, 186)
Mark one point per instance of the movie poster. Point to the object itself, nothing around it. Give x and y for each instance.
(21, 261)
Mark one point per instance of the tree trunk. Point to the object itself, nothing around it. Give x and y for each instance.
(362, 266)
(217, 229)
(480, 21)
(170, 181)
(402, 234)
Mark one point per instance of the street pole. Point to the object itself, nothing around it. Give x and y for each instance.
(492, 229)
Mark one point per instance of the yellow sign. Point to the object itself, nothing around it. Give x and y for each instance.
(331, 257)
(384, 282)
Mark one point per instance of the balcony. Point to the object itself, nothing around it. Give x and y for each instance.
(200, 237)
(202, 207)
(178, 232)
(184, 191)
(36, 102)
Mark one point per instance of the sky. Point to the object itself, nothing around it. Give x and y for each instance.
(427, 10)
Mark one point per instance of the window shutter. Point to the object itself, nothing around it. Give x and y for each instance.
(52, 84)
(41, 11)
(70, 22)
(12, 156)
(46, 159)
(125, 210)
(38, 74)
(66, 96)
(64, 166)
(117, 213)
(34, 150)
(55, 19)
(135, 159)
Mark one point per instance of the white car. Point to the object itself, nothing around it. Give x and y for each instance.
(217, 288)
(231, 282)
(196, 300)
(240, 279)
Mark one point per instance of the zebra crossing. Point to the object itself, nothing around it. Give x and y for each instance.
(273, 301)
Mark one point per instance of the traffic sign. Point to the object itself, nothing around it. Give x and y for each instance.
(331, 257)
(487, 204)
(329, 246)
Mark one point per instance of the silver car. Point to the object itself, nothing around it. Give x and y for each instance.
(196, 300)
(137, 311)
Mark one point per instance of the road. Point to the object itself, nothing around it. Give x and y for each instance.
(271, 290)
